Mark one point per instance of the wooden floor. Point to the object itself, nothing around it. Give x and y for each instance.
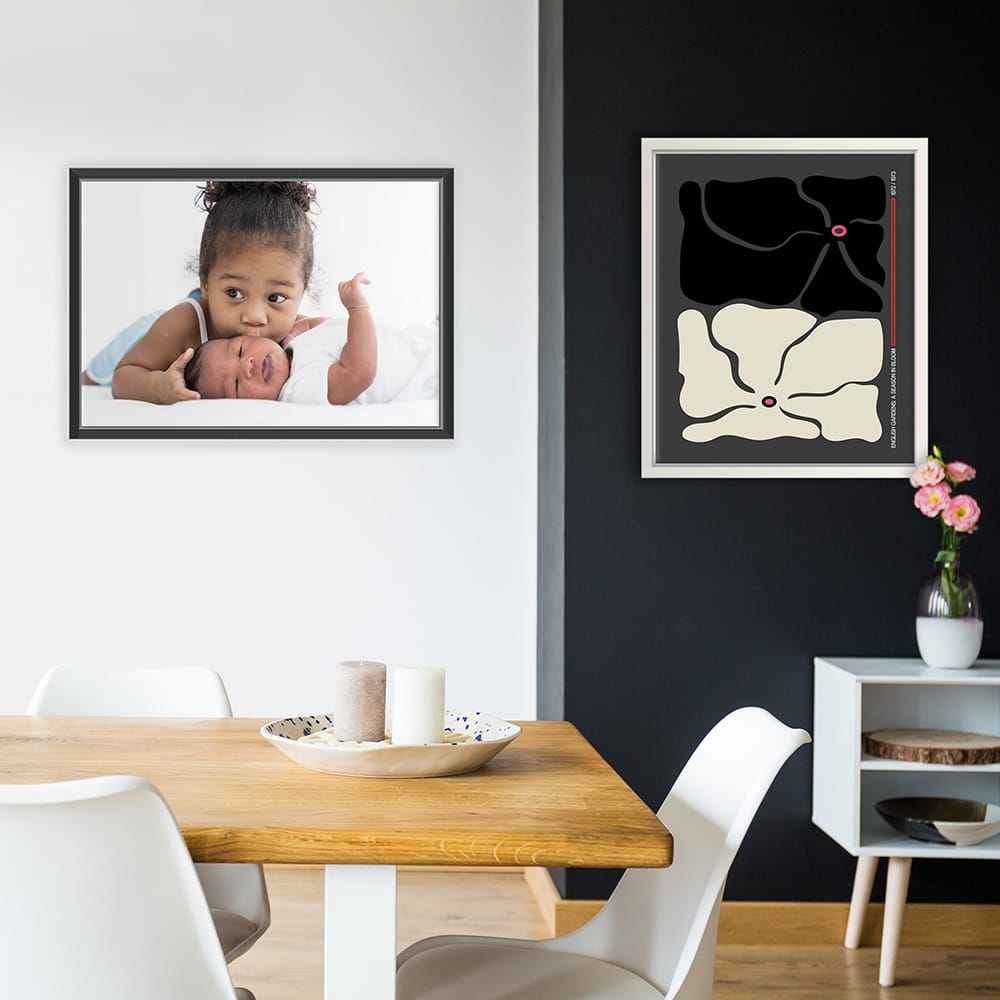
(287, 962)
(765, 972)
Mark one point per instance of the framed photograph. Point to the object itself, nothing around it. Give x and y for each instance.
(137, 264)
(784, 307)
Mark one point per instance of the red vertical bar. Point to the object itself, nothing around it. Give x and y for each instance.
(892, 272)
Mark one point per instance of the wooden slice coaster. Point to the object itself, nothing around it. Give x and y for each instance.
(932, 746)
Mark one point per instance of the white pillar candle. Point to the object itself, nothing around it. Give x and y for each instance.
(359, 701)
(417, 705)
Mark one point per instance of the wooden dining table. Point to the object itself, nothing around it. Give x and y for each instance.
(548, 799)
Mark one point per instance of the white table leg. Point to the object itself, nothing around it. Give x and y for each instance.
(864, 876)
(896, 884)
(359, 932)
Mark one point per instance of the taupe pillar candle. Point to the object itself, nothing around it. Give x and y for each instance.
(359, 701)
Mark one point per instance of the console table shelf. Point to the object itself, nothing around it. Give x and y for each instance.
(853, 695)
(870, 763)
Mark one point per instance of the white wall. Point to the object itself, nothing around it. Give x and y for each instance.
(271, 560)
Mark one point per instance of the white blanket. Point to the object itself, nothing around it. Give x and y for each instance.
(98, 410)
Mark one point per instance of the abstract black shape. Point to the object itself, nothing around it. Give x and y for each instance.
(765, 211)
(847, 199)
(863, 242)
(834, 287)
(773, 241)
(714, 269)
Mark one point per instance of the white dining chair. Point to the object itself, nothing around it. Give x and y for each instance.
(101, 900)
(655, 938)
(236, 893)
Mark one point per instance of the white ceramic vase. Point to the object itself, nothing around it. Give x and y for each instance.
(949, 622)
(949, 643)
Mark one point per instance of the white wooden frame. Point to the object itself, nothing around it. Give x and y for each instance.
(910, 452)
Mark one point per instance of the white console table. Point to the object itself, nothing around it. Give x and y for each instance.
(855, 695)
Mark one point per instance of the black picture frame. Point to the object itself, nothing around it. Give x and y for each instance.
(412, 209)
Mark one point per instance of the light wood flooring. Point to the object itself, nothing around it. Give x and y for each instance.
(287, 962)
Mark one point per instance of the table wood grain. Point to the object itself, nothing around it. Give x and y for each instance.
(548, 799)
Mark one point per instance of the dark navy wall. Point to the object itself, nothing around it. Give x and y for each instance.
(684, 599)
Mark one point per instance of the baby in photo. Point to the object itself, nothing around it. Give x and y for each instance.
(321, 360)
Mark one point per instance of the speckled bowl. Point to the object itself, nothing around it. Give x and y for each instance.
(385, 760)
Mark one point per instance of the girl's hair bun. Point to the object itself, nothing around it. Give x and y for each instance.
(265, 213)
(300, 193)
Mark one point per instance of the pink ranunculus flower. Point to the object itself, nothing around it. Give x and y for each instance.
(959, 472)
(962, 513)
(932, 500)
(928, 474)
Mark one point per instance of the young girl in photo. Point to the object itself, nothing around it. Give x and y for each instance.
(254, 265)
(328, 361)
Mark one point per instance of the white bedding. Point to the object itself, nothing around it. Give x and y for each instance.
(99, 411)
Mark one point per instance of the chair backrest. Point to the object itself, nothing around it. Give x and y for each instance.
(179, 692)
(159, 692)
(662, 923)
(100, 896)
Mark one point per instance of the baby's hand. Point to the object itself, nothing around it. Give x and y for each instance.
(172, 388)
(350, 292)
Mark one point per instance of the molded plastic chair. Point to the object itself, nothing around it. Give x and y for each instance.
(236, 893)
(656, 935)
(101, 900)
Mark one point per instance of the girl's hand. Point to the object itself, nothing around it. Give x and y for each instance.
(171, 388)
(350, 292)
(301, 325)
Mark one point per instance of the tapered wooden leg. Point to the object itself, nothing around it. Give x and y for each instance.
(864, 876)
(896, 884)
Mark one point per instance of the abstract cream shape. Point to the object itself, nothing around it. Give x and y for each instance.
(835, 353)
(844, 415)
(785, 355)
(758, 424)
(708, 378)
(759, 338)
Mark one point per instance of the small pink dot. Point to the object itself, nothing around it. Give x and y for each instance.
(769, 401)
(839, 230)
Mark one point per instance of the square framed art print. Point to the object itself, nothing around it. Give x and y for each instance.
(784, 307)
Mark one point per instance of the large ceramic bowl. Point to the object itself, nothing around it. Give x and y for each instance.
(483, 737)
(961, 822)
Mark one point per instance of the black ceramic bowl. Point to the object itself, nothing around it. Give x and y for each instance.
(918, 817)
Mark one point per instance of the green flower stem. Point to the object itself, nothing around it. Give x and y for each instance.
(955, 591)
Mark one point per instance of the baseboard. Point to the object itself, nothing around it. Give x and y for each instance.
(924, 924)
